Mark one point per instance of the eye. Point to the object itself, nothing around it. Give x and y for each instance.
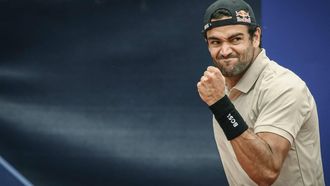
(236, 40)
(214, 42)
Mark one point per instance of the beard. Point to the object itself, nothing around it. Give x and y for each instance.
(240, 66)
(235, 70)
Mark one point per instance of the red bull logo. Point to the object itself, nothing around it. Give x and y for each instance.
(243, 16)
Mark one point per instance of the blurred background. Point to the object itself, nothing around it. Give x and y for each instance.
(103, 92)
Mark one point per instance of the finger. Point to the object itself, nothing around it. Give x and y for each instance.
(204, 78)
(202, 85)
(216, 71)
(199, 85)
(208, 74)
(213, 69)
(199, 88)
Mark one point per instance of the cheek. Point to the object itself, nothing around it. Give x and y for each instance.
(213, 52)
(247, 55)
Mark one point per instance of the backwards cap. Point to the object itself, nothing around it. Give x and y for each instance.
(241, 13)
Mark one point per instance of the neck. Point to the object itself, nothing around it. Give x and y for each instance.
(232, 81)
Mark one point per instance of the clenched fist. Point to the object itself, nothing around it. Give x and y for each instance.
(211, 87)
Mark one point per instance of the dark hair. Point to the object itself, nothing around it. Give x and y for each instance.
(221, 13)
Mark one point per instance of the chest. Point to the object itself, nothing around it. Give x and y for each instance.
(247, 106)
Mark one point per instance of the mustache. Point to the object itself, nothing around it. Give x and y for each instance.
(221, 57)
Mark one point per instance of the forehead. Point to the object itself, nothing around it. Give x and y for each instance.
(224, 32)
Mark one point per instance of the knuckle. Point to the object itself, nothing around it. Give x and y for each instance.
(205, 73)
(204, 79)
(210, 68)
(209, 74)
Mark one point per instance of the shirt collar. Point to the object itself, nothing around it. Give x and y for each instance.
(252, 74)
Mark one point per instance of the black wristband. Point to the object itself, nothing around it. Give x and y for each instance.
(229, 119)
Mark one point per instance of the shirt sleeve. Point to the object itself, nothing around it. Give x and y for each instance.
(283, 107)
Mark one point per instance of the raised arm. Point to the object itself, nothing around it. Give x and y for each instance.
(260, 155)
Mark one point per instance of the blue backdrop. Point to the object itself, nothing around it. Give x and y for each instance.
(296, 34)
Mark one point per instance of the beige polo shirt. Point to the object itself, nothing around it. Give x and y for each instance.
(274, 99)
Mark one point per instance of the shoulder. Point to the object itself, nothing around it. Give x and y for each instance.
(277, 80)
(284, 102)
(281, 87)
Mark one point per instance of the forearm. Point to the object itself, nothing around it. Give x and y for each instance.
(257, 158)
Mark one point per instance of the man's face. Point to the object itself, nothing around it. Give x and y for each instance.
(231, 48)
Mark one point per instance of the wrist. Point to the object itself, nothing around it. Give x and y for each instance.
(228, 118)
(214, 101)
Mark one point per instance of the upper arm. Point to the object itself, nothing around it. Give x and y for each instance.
(279, 146)
(261, 155)
(283, 108)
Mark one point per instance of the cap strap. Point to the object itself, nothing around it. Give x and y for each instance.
(218, 23)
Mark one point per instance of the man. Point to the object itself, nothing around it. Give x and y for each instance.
(265, 118)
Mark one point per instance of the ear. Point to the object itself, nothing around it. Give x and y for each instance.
(257, 37)
(207, 44)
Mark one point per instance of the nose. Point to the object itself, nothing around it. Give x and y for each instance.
(225, 50)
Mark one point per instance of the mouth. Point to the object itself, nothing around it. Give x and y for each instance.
(227, 61)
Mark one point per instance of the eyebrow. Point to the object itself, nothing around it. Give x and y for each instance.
(230, 37)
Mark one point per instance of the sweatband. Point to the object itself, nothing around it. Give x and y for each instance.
(228, 118)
